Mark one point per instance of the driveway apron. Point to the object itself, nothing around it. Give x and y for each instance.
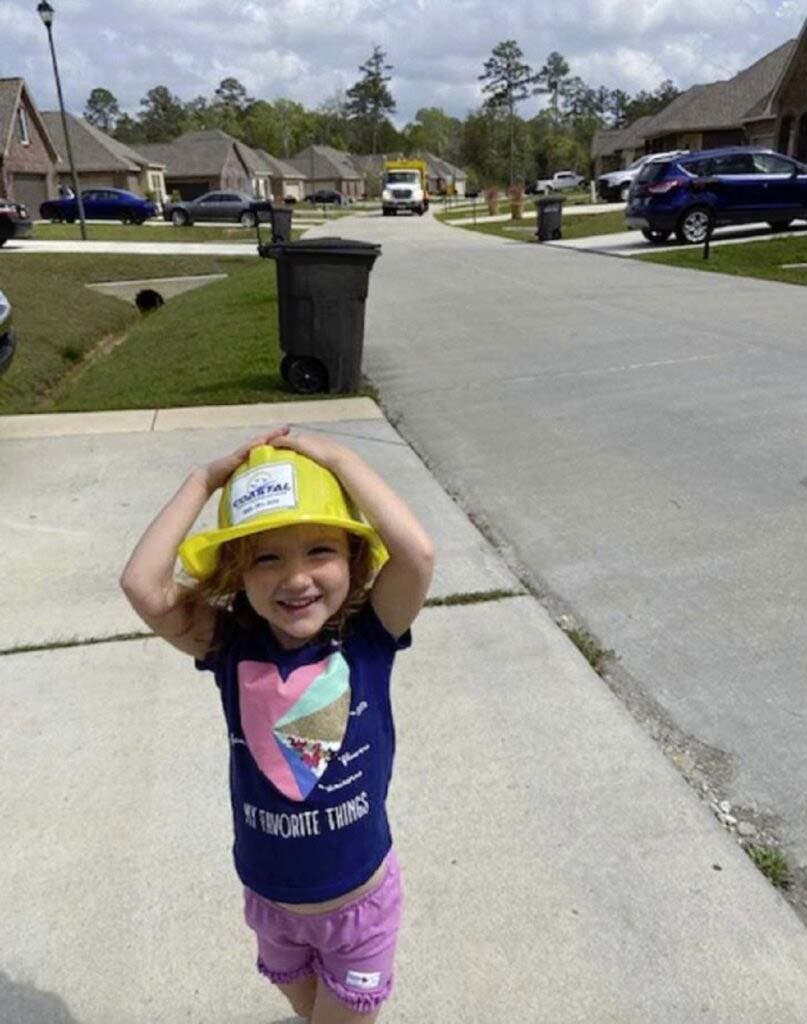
(632, 436)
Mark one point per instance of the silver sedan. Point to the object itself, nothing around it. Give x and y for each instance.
(234, 207)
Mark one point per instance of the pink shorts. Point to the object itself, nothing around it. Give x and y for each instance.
(351, 949)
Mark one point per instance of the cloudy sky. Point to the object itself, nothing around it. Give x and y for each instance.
(309, 50)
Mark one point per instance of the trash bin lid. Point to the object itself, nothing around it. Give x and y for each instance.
(323, 247)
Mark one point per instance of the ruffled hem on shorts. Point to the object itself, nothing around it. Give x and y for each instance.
(359, 1002)
(284, 977)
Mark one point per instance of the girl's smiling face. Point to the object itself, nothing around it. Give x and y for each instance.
(298, 578)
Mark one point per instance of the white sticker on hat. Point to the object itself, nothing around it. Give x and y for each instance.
(363, 980)
(267, 488)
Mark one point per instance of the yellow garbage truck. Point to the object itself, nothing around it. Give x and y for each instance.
(405, 187)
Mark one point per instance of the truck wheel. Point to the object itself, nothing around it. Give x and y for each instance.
(307, 375)
(285, 363)
(421, 210)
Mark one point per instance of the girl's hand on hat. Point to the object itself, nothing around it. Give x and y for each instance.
(218, 472)
(317, 447)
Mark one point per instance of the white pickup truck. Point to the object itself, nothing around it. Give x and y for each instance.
(561, 181)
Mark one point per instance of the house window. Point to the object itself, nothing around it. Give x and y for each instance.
(22, 127)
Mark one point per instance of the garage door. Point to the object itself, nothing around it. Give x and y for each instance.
(30, 189)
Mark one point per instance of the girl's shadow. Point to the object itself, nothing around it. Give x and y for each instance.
(24, 1004)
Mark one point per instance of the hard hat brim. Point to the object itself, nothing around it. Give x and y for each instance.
(199, 553)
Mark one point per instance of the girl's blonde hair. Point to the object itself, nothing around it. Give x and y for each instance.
(224, 588)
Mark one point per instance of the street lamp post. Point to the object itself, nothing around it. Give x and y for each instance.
(46, 14)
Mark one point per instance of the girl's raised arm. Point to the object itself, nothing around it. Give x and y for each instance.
(400, 588)
(173, 611)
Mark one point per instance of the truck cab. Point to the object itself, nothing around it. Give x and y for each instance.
(404, 187)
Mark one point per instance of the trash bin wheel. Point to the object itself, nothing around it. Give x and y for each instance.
(307, 375)
(285, 363)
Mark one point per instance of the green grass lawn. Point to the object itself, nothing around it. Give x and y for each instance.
(580, 225)
(216, 344)
(749, 259)
(150, 233)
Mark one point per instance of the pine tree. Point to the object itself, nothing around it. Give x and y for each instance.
(508, 80)
(370, 99)
(102, 110)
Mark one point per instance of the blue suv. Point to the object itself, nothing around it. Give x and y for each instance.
(695, 192)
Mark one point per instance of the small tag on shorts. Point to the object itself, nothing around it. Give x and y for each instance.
(356, 979)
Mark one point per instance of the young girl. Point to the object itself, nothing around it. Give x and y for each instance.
(307, 590)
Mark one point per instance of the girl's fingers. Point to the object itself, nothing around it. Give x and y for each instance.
(266, 438)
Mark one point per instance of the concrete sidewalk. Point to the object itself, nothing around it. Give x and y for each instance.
(557, 868)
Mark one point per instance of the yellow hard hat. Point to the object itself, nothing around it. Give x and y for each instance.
(276, 487)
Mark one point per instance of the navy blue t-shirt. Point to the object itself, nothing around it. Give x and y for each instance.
(311, 749)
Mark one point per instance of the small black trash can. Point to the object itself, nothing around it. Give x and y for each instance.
(322, 286)
(550, 213)
(279, 217)
(281, 224)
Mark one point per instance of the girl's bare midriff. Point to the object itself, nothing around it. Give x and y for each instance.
(323, 908)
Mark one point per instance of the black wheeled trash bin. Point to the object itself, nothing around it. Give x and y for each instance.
(279, 216)
(550, 212)
(322, 287)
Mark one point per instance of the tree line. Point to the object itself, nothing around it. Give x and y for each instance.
(494, 143)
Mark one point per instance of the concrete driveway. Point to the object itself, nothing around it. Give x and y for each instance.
(632, 436)
(631, 243)
(556, 866)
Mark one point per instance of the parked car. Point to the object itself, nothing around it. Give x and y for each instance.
(14, 221)
(473, 192)
(326, 195)
(235, 207)
(691, 194)
(7, 339)
(615, 185)
(561, 181)
(99, 204)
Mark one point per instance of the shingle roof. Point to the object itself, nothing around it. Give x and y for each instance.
(278, 168)
(613, 140)
(196, 154)
(10, 94)
(327, 163)
(441, 168)
(723, 104)
(93, 150)
(765, 107)
(436, 167)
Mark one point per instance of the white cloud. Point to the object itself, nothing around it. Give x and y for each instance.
(310, 49)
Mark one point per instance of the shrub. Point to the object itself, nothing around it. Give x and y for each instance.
(492, 199)
(516, 193)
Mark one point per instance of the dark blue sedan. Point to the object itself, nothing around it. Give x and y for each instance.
(99, 204)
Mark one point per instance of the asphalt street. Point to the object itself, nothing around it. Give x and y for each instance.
(632, 436)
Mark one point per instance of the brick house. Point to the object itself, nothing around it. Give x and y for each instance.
(204, 161)
(103, 161)
(440, 174)
(616, 148)
(284, 180)
(762, 105)
(325, 167)
(28, 157)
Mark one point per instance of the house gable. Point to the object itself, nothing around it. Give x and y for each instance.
(28, 157)
(14, 96)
